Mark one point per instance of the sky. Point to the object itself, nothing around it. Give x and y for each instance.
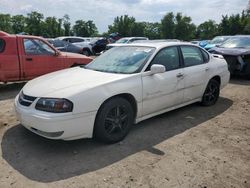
(103, 12)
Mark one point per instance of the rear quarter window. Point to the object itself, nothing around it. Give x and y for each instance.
(205, 56)
(2, 45)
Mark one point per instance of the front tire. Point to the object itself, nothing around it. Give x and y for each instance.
(211, 93)
(114, 120)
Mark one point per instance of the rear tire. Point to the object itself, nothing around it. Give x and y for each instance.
(114, 120)
(86, 52)
(211, 93)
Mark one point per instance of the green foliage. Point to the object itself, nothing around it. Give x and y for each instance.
(66, 25)
(184, 29)
(85, 29)
(207, 30)
(177, 26)
(5, 23)
(168, 26)
(34, 23)
(123, 25)
(152, 30)
(18, 23)
(171, 26)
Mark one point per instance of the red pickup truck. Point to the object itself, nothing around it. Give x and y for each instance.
(25, 57)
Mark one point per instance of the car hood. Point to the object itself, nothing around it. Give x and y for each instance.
(80, 79)
(208, 46)
(74, 55)
(82, 44)
(231, 51)
(116, 44)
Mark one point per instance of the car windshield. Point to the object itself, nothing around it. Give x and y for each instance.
(237, 42)
(123, 40)
(218, 40)
(125, 60)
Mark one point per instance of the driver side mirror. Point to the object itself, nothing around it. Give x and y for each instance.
(156, 68)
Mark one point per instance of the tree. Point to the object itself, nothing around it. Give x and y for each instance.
(168, 26)
(123, 25)
(5, 23)
(224, 26)
(246, 19)
(207, 30)
(34, 23)
(85, 29)
(92, 29)
(50, 27)
(152, 30)
(18, 23)
(60, 31)
(66, 24)
(137, 29)
(184, 29)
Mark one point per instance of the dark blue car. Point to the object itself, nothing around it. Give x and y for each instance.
(65, 46)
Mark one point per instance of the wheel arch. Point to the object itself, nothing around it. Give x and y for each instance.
(217, 78)
(127, 96)
(87, 49)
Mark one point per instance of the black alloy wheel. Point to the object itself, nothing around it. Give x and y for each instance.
(114, 120)
(211, 93)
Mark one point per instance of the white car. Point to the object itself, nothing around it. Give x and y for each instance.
(125, 40)
(82, 42)
(125, 85)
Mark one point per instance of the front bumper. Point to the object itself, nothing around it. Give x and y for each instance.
(66, 126)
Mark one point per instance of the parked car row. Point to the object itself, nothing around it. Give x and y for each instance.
(82, 45)
(235, 49)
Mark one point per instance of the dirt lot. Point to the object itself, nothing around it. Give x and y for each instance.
(190, 147)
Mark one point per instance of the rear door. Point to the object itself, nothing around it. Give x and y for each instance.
(39, 58)
(163, 90)
(196, 72)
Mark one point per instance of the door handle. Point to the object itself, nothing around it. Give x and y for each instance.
(28, 59)
(206, 69)
(179, 75)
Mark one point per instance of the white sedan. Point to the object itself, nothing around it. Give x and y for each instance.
(123, 86)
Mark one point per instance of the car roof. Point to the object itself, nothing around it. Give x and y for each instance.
(129, 38)
(159, 45)
(63, 37)
(241, 36)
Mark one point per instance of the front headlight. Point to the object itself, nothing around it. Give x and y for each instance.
(54, 105)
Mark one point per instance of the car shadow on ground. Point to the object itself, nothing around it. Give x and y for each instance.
(46, 160)
(239, 80)
(9, 91)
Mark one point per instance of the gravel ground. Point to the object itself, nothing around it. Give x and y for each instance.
(193, 146)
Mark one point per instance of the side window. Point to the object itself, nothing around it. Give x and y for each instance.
(67, 40)
(169, 57)
(205, 56)
(191, 56)
(2, 45)
(37, 47)
(76, 40)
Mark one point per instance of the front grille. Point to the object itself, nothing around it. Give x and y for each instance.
(26, 100)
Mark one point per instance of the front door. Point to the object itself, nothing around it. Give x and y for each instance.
(163, 90)
(39, 59)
